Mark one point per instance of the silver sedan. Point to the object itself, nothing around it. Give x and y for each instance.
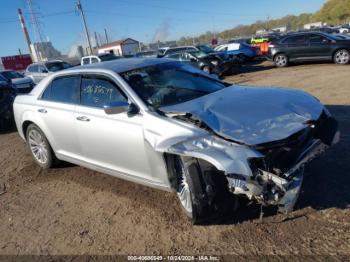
(167, 125)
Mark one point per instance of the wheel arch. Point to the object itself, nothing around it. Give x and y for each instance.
(27, 122)
(340, 48)
(280, 53)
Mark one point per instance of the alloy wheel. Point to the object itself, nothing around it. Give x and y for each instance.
(342, 57)
(281, 60)
(183, 190)
(38, 146)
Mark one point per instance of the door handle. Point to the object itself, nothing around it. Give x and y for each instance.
(42, 110)
(83, 118)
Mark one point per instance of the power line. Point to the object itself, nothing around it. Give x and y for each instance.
(15, 19)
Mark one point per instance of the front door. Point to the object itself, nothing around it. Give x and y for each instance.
(114, 142)
(320, 46)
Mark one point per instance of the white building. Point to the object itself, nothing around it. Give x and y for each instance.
(281, 29)
(261, 32)
(314, 25)
(121, 47)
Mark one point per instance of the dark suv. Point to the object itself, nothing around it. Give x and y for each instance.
(310, 46)
(7, 96)
(209, 63)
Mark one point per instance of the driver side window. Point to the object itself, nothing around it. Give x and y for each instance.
(99, 92)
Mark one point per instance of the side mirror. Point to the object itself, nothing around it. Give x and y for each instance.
(116, 108)
(44, 71)
(121, 107)
(192, 59)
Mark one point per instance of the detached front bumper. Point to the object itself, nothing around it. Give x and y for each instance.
(279, 190)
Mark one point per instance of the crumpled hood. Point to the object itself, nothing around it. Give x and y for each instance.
(252, 115)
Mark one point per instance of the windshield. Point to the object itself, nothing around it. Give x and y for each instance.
(107, 57)
(205, 49)
(57, 66)
(334, 37)
(170, 83)
(11, 74)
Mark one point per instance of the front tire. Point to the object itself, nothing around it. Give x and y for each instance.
(281, 60)
(202, 190)
(39, 147)
(341, 57)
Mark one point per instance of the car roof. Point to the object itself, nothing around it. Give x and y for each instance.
(45, 62)
(123, 64)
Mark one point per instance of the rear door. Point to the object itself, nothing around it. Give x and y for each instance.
(56, 108)
(297, 47)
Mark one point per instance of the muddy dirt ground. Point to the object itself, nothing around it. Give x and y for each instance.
(72, 210)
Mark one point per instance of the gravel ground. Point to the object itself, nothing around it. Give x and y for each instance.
(72, 210)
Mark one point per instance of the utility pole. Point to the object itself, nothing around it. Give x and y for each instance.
(80, 8)
(25, 32)
(37, 32)
(96, 40)
(100, 39)
(107, 41)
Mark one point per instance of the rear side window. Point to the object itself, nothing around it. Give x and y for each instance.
(174, 56)
(299, 39)
(99, 92)
(33, 68)
(64, 90)
(86, 61)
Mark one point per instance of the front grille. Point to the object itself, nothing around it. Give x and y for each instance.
(280, 156)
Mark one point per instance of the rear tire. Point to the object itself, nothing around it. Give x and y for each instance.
(281, 60)
(202, 190)
(341, 57)
(39, 147)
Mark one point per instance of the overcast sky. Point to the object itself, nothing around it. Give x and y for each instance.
(143, 20)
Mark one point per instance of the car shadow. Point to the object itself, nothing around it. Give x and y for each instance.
(11, 128)
(253, 66)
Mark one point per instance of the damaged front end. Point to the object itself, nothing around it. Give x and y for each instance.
(269, 173)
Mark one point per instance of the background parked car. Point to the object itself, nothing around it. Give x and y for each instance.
(7, 96)
(98, 58)
(311, 46)
(38, 71)
(242, 50)
(22, 83)
(147, 54)
(172, 50)
(209, 63)
(344, 29)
